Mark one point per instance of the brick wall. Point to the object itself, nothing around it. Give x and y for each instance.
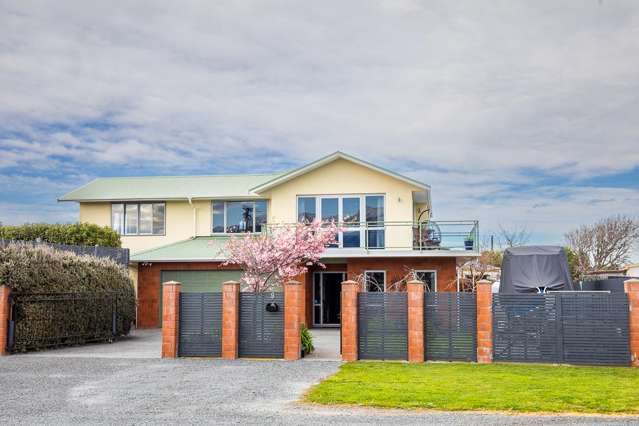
(397, 268)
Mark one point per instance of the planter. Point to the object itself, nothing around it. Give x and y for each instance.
(469, 244)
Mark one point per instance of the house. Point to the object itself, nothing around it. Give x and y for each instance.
(176, 228)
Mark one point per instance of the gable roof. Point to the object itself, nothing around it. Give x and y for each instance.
(168, 187)
(338, 155)
(237, 186)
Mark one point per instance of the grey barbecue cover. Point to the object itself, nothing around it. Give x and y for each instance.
(524, 269)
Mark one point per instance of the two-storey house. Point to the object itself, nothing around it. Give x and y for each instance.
(176, 228)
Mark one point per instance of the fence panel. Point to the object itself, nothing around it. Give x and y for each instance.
(576, 328)
(261, 332)
(41, 320)
(595, 327)
(450, 322)
(526, 328)
(382, 325)
(200, 324)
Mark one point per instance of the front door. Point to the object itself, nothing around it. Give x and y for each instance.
(327, 287)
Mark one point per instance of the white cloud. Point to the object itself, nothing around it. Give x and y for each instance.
(479, 91)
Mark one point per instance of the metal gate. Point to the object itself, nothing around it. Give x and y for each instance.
(450, 321)
(382, 325)
(200, 324)
(578, 328)
(261, 331)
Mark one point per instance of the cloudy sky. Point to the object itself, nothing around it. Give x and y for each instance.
(516, 113)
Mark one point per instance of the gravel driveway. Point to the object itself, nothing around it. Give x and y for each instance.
(79, 387)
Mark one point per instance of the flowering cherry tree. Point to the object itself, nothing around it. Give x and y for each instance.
(272, 258)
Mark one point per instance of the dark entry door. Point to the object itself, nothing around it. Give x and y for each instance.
(327, 288)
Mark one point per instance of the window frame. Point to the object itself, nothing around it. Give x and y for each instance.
(362, 224)
(138, 203)
(367, 271)
(224, 202)
(433, 271)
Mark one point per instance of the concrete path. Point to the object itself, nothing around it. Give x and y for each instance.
(326, 342)
(139, 344)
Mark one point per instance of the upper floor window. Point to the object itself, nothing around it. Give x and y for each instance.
(360, 216)
(138, 218)
(238, 216)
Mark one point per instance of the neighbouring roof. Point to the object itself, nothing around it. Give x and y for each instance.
(194, 249)
(168, 187)
(287, 176)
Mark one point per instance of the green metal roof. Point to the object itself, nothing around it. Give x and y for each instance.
(194, 249)
(169, 187)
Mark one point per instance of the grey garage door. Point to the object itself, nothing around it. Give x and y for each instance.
(198, 281)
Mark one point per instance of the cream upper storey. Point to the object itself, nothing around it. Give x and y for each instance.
(338, 176)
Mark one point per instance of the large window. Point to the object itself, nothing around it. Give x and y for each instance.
(350, 211)
(138, 218)
(429, 278)
(238, 216)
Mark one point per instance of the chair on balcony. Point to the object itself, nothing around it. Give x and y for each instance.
(427, 236)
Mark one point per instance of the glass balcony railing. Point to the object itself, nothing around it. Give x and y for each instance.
(460, 235)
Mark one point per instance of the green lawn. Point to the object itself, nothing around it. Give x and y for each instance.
(466, 386)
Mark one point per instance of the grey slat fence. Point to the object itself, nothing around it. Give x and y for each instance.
(200, 324)
(450, 322)
(261, 332)
(382, 325)
(118, 255)
(578, 328)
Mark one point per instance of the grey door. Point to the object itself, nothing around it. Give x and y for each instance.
(327, 288)
(200, 324)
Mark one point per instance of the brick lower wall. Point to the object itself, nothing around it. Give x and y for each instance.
(149, 276)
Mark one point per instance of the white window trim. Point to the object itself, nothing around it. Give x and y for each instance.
(434, 271)
(138, 203)
(224, 202)
(374, 271)
(362, 213)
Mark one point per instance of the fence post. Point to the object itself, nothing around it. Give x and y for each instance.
(293, 310)
(5, 312)
(415, 290)
(230, 319)
(484, 322)
(349, 320)
(170, 318)
(631, 287)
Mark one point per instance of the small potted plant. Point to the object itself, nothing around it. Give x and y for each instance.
(307, 341)
(469, 242)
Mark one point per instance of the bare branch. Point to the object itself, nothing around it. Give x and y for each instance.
(513, 237)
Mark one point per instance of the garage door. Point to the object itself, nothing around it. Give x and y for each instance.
(199, 281)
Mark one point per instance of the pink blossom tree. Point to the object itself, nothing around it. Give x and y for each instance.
(284, 252)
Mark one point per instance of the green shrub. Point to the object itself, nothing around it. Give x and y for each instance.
(72, 234)
(97, 283)
(307, 340)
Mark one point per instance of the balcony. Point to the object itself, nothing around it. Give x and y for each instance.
(429, 238)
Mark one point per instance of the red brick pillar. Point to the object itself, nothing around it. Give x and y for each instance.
(230, 319)
(349, 320)
(484, 322)
(631, 288)
(293, 319)
(415, 290)
(170, 318)
(5, 312)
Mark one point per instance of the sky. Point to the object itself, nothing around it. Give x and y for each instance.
(519, 114)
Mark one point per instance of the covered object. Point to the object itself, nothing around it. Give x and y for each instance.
(525, 269)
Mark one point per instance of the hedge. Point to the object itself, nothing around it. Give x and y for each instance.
(96, 284)
(82, 234)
